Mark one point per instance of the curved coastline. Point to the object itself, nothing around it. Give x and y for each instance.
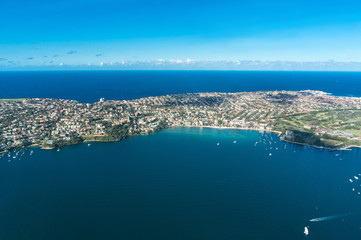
(344, 148)
(278, 133)
(290, 114)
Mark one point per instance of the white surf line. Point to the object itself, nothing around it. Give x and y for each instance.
(329, 217)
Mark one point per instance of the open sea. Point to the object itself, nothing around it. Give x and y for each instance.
(178, 183)
(90, 86)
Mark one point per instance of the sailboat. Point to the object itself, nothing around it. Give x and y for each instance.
(306, 231)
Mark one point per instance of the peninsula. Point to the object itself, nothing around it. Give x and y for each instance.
(304, 117)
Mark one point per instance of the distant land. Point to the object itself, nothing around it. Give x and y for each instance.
(308, 117)
(191, 64)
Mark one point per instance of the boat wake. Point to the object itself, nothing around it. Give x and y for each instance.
(329, 217)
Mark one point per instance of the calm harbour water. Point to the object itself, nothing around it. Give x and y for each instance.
(178, 184)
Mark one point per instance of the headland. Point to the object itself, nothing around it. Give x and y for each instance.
(307, 117)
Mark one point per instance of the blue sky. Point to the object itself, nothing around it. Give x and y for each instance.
(80, 32)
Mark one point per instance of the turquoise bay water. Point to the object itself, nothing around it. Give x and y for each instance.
(179, 184)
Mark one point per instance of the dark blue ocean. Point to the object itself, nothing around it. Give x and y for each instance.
(179, 183)
(89, 86)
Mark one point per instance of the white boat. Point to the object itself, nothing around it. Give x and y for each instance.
(217, 144)
(58, 150)
(234, 141)
(270, 154)
(306, 231)
(89, 144)
(356, 177)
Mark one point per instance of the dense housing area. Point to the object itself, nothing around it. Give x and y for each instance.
(307, 117)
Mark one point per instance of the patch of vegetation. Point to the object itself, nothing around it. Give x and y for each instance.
(13, 99)
(304, 126)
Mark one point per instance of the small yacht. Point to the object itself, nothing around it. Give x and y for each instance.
(217, 144)
(234, 141)
(58, 150)
(306, 231)
(89, 144)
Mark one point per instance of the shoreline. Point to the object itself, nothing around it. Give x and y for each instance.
(47, 148)
(345, 148)
(314, 146)
(237, 128)
(278, 133)
(350, 147)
